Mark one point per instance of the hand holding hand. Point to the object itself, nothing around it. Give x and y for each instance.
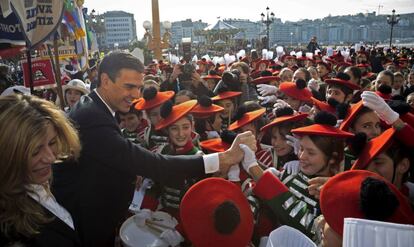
(234, 155)
(378, 104)
(249, 159)
(172, 237)
(265, 90)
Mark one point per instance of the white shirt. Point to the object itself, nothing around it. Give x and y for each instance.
(211, 161)
(48, 201)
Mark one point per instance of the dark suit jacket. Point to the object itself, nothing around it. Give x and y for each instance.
(54, 233)
(99, 190)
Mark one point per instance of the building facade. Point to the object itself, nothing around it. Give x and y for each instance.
(120, 29)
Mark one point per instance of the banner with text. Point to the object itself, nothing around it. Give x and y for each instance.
(39, 18)
(43, 76)
(11, 30)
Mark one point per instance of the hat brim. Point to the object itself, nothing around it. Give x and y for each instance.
(283, 119)
(215, 145)
(290, 89)
(247, 118)
(374, 147)
(201, 112)
(85, 91)
(322, 106)
(344, 83)
(351, 116)
(226, 95)
(177, 112)
(159, 99)
(197, 213)
(265, 79)
(323, 130)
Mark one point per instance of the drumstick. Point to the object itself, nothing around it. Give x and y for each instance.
(157, 230)
(154, 223)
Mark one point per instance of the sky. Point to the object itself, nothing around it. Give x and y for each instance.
(209, 10)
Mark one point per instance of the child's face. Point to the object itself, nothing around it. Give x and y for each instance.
(131, 121)
(410, 101)
(312, 160)
(398, 82)
(279, 143)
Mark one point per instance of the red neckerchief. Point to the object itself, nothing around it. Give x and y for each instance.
(184, 149)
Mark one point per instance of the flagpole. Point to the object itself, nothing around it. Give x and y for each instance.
(57, 71)
(29, 64)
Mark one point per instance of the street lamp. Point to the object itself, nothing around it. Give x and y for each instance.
(270, 18)
(392, 20)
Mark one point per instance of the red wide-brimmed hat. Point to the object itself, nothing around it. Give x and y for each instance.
(177, 112)
(351, 116)
(247, 118)
(205, 108)
(258, 63)
(374, 147)
(341, 82)
(283, 119)
(215, 145)
(226, 95)
(152, 98)
(265, 79)
(210, 76)
(323, 106)
(296, 90)
(201, 218)
(340, 198)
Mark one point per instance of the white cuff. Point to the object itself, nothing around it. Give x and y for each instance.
(211, 163)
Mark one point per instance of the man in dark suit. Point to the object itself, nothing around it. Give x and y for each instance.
(98, 190)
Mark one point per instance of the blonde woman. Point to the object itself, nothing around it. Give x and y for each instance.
(35, 133)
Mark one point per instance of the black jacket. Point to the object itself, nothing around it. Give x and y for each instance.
(54, 233)
(99, 189)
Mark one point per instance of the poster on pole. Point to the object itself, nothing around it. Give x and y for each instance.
(43, 76)
(10, 30)
(39, 18)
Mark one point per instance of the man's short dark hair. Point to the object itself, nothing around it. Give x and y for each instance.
(112, 63)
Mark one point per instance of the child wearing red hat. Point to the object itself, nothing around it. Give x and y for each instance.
(207, 120)
(279, 129)
(227, 100)
(321, 146)
(177, 123)
(135, 125)
(389, 157)
(151, 102)
(363, 192)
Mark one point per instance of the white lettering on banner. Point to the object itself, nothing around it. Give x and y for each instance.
(10, 28)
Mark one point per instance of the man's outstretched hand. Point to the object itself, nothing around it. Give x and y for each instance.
(234, 155)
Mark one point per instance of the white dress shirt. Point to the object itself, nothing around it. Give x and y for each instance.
(48, 201)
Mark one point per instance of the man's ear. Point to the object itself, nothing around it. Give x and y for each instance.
(105, 80)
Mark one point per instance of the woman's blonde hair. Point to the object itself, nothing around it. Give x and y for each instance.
(23, 125)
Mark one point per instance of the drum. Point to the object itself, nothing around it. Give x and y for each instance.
(134, 235)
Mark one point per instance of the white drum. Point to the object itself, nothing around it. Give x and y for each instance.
(134, 235)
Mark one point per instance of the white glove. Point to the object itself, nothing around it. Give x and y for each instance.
(293, 142)
(234, 173)
(265, 90)
(313, 84)
(267, 99)
(141, 216)
(281, 104)
(172, 237)
(292, 167)
(304, 109)
(378, 104)
(249, 159)
(275, 171)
